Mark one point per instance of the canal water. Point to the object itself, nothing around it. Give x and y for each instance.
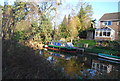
(83, 66)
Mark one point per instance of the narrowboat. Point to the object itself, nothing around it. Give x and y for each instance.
(108, 60)
(111, 57)
(63, 47)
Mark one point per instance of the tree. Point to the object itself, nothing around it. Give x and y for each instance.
(6, 20)
(12, 14)
(63, 28)
(85, 16)
(37, 23)
(45, 29)
(42, 25)
(69, 27)
(73, 27)
(1, 7)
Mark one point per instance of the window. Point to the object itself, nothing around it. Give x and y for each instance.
(97, 65)
(104, 33)
(108, 33)
(107, 23)
(93, 65)
(96, 33)
(105, 68)
(100, 33)
(118, 23)
(104, 23)
(51, 43)
(63, 45)
(101, 67)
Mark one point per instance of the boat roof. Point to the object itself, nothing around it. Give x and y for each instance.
(62, 47)
(59, 41)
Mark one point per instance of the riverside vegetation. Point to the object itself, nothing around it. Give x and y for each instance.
(22, 62)
(30, 21)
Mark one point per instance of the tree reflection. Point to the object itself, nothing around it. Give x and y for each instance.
(73, 68)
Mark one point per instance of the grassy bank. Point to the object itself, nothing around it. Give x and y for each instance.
(80, 43)
(112, 47)
(101, 50)
(22, 62)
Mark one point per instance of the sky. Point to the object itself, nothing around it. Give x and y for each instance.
(100, 7)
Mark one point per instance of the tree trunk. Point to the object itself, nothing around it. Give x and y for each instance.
(71, 40)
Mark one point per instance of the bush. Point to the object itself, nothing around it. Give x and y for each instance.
(19, 35)
(114, 45)
(83, 34)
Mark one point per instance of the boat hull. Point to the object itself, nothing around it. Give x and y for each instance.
(63, 49)
(111, 57)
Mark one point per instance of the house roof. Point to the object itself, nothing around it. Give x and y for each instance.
(110, 16)
(103, 29)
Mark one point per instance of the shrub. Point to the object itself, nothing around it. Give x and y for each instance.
(19, 35)
(114, 45)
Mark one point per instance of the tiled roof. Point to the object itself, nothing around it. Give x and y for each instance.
(110, 16)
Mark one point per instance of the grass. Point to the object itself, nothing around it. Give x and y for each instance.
(80, 43)
(101, 50)
(113, 47)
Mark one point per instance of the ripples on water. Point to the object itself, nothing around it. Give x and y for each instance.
(83, 66)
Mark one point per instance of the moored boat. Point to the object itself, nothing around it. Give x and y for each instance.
(63, 47)
(111, 57)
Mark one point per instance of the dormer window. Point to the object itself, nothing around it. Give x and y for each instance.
(107, 23)
(104, 23)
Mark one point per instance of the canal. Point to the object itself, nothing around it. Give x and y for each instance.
(82, 66)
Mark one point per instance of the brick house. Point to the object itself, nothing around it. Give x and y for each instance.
(109, 27)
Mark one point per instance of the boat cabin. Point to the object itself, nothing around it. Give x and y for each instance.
(63, 44)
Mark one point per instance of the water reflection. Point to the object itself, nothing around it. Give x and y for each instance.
(101, 67)
(106, 70)
(83, 66)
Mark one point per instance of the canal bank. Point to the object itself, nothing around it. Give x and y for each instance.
(82, 46)
(97, 50)
(22, 62)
